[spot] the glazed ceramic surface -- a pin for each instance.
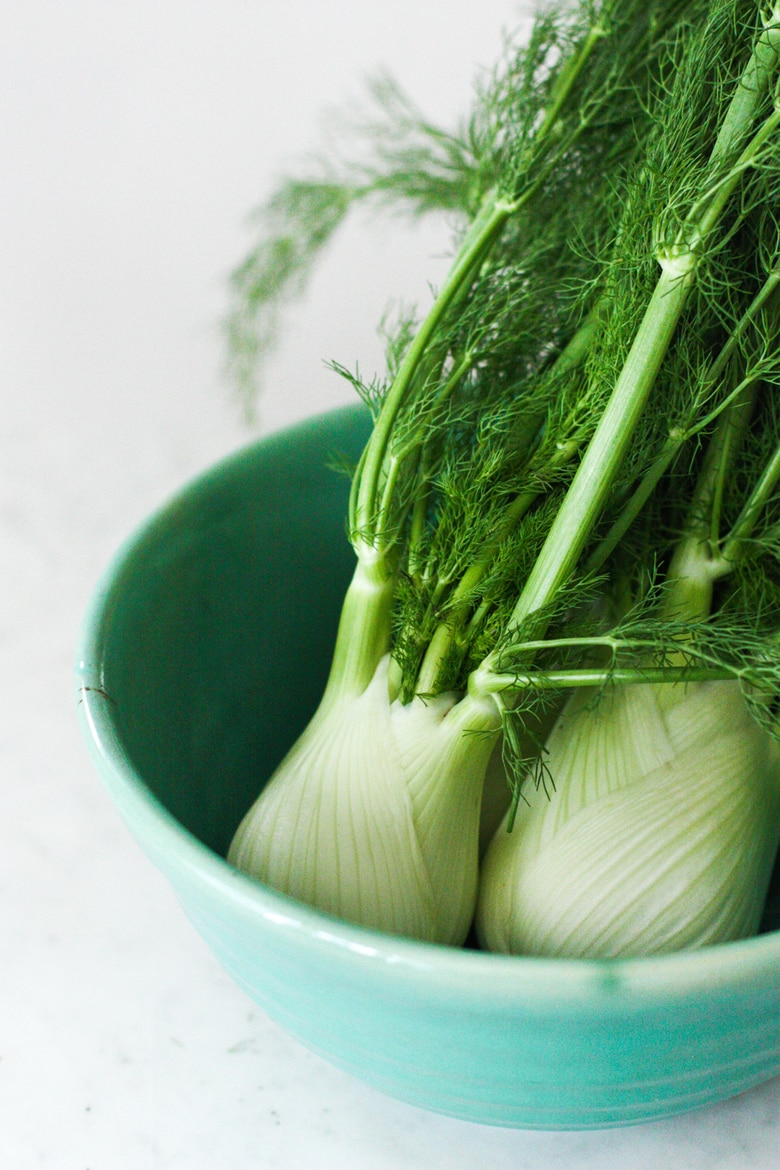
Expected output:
(202, 658)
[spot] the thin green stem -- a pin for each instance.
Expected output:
(748, 383)
(606, 450)
(448, 632)
(725, 188)
(736, 424)
(572, 70)
(479, 240)
(611, 642)
(751, 91)
(683, 433)
(550, 127)
(691, 576)
(453, 378)
(733, 545)
(420, 510)
(745, 106)
(395, 466)
(636, 503)
(553, 680)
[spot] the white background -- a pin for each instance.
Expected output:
(135, 137)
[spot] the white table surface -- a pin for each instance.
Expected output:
(134, 139)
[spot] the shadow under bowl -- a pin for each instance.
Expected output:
(202, 657)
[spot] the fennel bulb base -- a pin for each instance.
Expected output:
(373, 816)
(660, 835)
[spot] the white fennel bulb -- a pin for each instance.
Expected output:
(373, 816)
(660, 833)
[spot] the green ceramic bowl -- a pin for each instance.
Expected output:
(201, 659)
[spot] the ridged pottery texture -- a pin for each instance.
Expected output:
(201, 659)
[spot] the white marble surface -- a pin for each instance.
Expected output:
(134, 137)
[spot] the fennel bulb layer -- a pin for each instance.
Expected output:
(660, 833)
(373, 816)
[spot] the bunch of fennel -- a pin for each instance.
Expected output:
(567, 504)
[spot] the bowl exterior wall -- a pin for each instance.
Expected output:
(610, 1058)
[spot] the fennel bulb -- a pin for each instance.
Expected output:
(374, 814)
(660, 833)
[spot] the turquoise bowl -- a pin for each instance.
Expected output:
(201, 659)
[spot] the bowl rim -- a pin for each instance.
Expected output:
(538, 980)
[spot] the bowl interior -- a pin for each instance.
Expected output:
(215, 651)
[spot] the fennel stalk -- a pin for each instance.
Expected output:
(540, 442)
